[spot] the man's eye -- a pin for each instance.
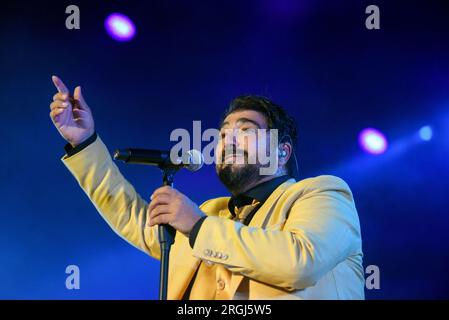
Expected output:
(248, 130)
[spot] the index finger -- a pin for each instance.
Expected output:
(59, 85)
(162, 190)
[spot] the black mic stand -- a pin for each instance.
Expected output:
(166, 237)
(166, 232)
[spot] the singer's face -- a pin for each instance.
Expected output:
(239, 142)
(238, 137)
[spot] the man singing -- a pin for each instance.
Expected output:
(274, 238)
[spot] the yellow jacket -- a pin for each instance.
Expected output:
(303, 243)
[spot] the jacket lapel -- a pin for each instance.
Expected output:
(261, 219)
(264, 215)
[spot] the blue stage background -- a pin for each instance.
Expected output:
(187, 61)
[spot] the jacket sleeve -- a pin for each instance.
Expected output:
(113, 196)
(322, 230)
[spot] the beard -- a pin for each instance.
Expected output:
(236, 177)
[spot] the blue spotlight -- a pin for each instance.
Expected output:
(426, 133)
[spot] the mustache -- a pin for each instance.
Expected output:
(232, 150)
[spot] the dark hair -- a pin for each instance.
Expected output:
(276, 117)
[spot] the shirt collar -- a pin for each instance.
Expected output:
(260, 192)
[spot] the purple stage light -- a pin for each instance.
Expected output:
(373, 141)
(120, 27)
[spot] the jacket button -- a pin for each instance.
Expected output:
(207, 252)
(221, 285)
(224, 256)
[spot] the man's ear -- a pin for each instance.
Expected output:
(285, 152)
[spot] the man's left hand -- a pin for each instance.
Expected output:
(169, 206)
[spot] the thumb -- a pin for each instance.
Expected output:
(78, 95)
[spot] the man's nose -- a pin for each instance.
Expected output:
(230, 137)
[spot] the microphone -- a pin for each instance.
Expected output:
(192, 160)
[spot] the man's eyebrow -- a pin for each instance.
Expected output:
(242, 120)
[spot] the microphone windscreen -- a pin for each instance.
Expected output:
(193, 160)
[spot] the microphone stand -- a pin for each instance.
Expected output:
(166, 233)
(166, 238)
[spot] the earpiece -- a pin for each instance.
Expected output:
(283, 153)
